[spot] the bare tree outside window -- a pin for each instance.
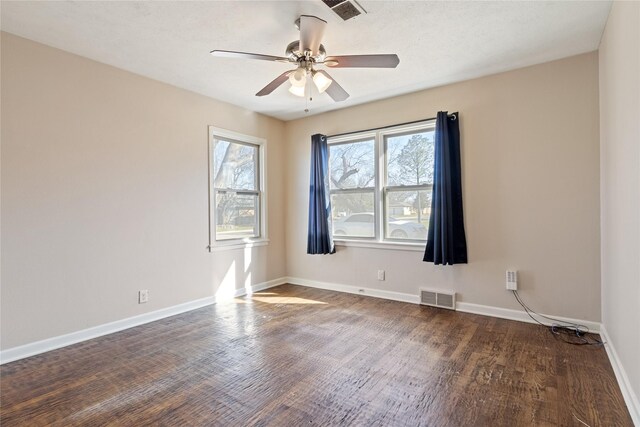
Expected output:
(352, 165)
(410, 163)
(352, 174)
(236, 187)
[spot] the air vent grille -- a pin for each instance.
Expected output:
(429, 298)
(445, 300)
(332, 3)
(442, 299)
(345, 9)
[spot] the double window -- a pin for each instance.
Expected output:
(380, 184)
(237, 202)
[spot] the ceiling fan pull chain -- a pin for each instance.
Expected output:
(306, 99)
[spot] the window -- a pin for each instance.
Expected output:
(380, 184)
(237, 200)
(352, 172)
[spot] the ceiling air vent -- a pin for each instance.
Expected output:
(345, 9)
(435, 298)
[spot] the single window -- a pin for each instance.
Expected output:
(408, 184)
(381, 184)
(352, 172)
(237, 196)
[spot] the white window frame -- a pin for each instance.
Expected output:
(216, 134)
(359, 137)
(380, 154)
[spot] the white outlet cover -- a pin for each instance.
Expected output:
(143, 296)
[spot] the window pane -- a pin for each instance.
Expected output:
(235, 165)
(352, 165)
(353, 214)
(236, 216)
(407, 214)
(410, 158)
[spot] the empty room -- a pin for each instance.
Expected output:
(320, 212)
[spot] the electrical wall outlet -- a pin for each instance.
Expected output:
(143, 296)
(512, 280)
(380, 274)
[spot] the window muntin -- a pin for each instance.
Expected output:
(396, 198)
(237, 213)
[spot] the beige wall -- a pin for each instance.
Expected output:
(104, 192)
(620, 184)
(530, 181)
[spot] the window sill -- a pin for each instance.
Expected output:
(396, 246)
(237, 244)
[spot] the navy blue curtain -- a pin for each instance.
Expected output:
(319, 238)
(446, 241)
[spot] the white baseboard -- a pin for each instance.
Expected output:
(31, 349)
(630, 398)
(465, 307)
(519, 315)
(395, 296)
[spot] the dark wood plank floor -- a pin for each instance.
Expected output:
(293, 356)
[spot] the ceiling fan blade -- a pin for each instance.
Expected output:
(274, 84)
(311, 32)
(335, 91)
(245, 55)
(362, 61)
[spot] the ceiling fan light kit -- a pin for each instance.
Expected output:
(307, 53)
(298, 77)
(297, 90)
(321, 82)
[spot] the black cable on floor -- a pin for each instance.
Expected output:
(571, 333)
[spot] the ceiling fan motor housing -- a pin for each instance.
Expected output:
(293, 52)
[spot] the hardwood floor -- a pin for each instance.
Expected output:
(293, 356)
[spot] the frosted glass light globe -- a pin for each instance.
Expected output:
(297, 90)
(298, 78)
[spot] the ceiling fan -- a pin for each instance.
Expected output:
(307, 53)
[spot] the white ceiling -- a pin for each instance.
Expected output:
(437, 42)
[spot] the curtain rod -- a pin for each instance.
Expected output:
(455, 115)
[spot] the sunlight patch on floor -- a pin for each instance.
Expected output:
(286, 300)
(274, 298)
